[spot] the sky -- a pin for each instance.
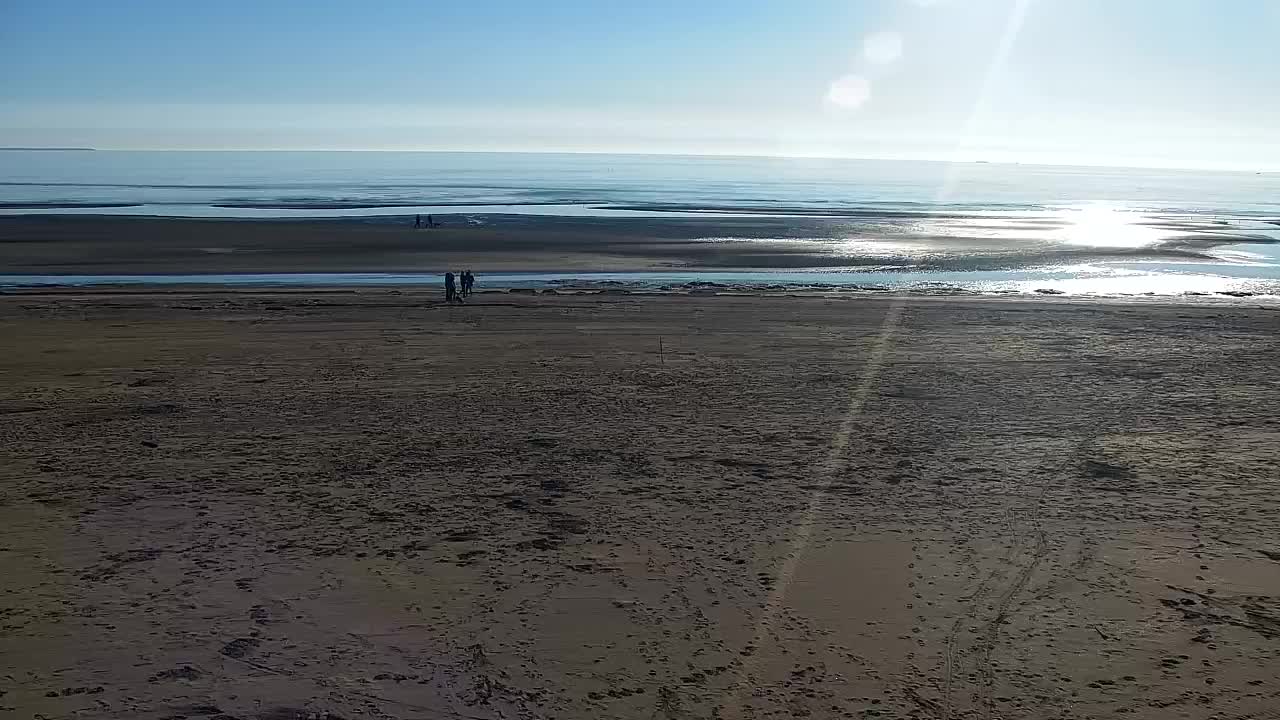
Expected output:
(1161, 83)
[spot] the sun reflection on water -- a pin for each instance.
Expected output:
(1104, 226)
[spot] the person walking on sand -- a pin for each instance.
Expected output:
(466, 283)
(417, 222)
(450, 290)
(471, 281)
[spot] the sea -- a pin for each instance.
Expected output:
(1155, 231)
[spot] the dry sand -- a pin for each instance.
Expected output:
(224, 505)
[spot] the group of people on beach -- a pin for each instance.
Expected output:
(418, 222)
(452, 291)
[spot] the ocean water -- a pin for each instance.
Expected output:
(1172, 230)
(301, 180)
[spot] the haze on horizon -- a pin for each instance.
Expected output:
(1163, 83)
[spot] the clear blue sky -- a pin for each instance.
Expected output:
(1193, 83)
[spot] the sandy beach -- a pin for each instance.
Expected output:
(279, 505)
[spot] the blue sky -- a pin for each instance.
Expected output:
(1189, 83)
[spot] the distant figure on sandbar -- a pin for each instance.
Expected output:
(431, 222)
(417, 222)
(450, 290)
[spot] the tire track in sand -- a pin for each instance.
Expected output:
(949, 660)
(868, 379)
(1009, 525)
(991, 629)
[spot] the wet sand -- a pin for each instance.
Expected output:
(493, 243)
(368, 504)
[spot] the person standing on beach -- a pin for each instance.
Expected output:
(468, 280)
(450, 290)
(417, 222)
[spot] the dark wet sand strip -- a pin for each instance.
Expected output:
(487, 243)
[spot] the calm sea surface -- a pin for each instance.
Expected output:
(287, 179)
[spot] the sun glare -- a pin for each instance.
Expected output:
(1104, 226)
